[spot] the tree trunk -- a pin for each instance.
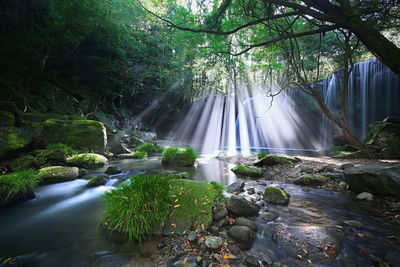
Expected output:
(378, 44)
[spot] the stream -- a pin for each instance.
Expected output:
(60, 227)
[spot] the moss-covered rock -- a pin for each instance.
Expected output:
(276, 195)
(192, 205)
(52, 156)
(81, 134)
(17, 187)
(6, 118)
(134, 155)
(24, 162)
(179, 156)
(29, 120)
(272, 160)
(247, 171)
(98, 180)
(150, 148)
(87, 160)
(57, 174)
(181, 175)
(310, 180)
(13, 139)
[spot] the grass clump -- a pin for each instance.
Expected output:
(138, 207)
(262, 155)
(247, 171)
(67, 149)
(18, 183)
(179, 156)
(139, 154)
(219, 189)
(149, 147)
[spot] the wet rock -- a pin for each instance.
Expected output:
(242, 234)
(246, 170)
(147, 249)
(365, 196)
(106, 259)
(199, 260)
(214, 229)
(242, 207)
(267, 261)
(98, 180)
(334, 175)
(253, 261)
(310, 180)
(354, 223)
(13, 140)
(113, 170)
(57, 174)
(377, 178)
(83, 172)
(307, 169)
(394, 206)
(251, 191)
(21, 260)
(236, 187)
(311, 242)
(161, 245)
(213, 242)
(246, 222)
(192, 237)
(326, 168)
(87, 160)
(222, 222)
(220, 213)
(269, 216)
(343, 185)
(276, 195)
(346, 165)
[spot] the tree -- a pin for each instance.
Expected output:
(362, 18)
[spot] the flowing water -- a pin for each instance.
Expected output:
(60, 227)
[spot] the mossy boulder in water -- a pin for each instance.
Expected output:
(276, 195)
(57, 174)
(179, 156)
(272, 160)
(87, 160)
(98, 180)
(6, 118)
(24, 162)
(385, 135)
(13, 140)
(83, 134)
(247, 171)
(310, 180)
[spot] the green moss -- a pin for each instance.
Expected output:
(15, 185)
(68, 150)
(276, 195)
(273, 160)
(191, 203)
(219, 189)
(149, 147)
(247, 171)
(56, 174)
(7, 118)
(87, 160)
(13, 139)
(179, 156)
(262, 155)
(98, 180)
(24, 162)
(139, 154)
(181, 175)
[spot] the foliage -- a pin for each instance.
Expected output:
(262, 155)
(139, 154)
(247, 170)
(149, 147)
(17, 183)
(180, 156)
(138, 207)
(67, 149)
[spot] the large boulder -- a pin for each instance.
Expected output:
(57, 174)
(241, 234)
(247, 171)
(87, 160)
(242, 207)
(272, 160)
(84, 134)
(385, 135)
(377, 179)
(24, 162)
(310, 180)
(276, 195)
(13, 139)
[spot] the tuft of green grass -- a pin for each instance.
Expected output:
(247, 170)
(262, 155)
(139, 154)
(179, 156)
(149, 147)
(67, 149)
(219, 189)
(17, 183)
(138, 207)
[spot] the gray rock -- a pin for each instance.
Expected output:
(307, 169)
(365, 196)
(267, 261)
(219, 214)
(377, 178)
(310, 180)
(199, 260)
(57, 174)
(276, 195)
(242, 207)
(161, 245)
(113, 170)
(269, 216)
(253, 261)
(343, 185)
(246, 222)
(242, 234)
(354, 223)
(222, 222)
(326, 168)
(334, 175)
(213, 242)
(192, 237)
(346, 165)
(236, 187)
(251, 191)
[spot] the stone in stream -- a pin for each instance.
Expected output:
(98, 180)
(307, 169)
(253, 261)
(192, 237)
(246, 222)
(269, 216)
(276, 195)
(354, 223)
(242, 207)
(377, 178)
(213, 242)
(241, 234)
(251, 191)
(236, 187)
(220, 213)
(310, 180)
(346, 165)
(113, 170)
(365, 196)
(57, 174)
(343, 185)
(87, 160)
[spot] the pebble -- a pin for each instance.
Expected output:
(253, 261)
(365, 196)
(213, 242)
(192, 237)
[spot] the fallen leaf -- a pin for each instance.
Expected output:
(173, 196)
(173, 225)
(361, 235)
(305, 251)
(202, 227)
(176, 206)
(184, 261)
(299, 256)
(309, 261)
(195, 201)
